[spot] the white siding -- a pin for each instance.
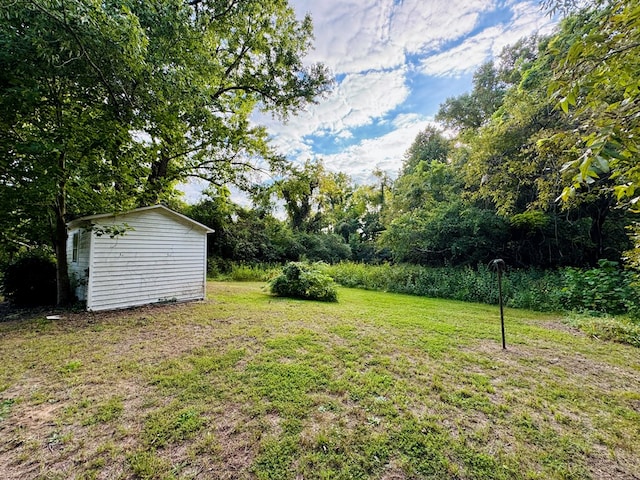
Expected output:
(79, 269)
(160, 260)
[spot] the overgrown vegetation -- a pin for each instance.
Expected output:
(379, 386)
(306, 281)
(219, 269)
(606, 289)
(30, 279)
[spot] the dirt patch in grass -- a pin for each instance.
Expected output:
(236, 445)
(574, 367)
(393, 471)
(567, 395)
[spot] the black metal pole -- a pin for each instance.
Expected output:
(504, 343)
(499, 265)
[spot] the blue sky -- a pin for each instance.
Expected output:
(395, 62)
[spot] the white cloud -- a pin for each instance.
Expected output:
(357, 101)
(527, 18)
(360, 35)
(385, 152)
(463, 59)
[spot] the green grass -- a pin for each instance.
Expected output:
(378, 385)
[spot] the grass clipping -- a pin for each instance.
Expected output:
(305, 281)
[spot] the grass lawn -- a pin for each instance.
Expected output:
(379, 385)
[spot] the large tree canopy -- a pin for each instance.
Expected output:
(105, 104)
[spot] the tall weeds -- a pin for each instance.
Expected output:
(548, 290)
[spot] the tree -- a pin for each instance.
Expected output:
(105, 105)
(62, 112)
(450, 233)
(426, 176)
(429, 145)
(472, 110)
(299, 188)
(597, 82)
(511, 163)
(596, 79)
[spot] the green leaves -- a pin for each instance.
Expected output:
(306, 281)
(598, 84)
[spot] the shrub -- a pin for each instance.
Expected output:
(606, 289)
(30, 280)
(303, 280)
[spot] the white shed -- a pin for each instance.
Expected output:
(156, 255)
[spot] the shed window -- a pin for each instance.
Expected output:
(74, 247)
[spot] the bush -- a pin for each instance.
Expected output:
(30, 280)
(306, 281)
(606, 289)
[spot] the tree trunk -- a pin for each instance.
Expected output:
(598, 212)
(62, 272)
(156, 181)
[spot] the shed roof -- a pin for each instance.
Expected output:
(160, 208)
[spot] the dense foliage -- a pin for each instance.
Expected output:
(306, 281)
(30, 280)
(603, 290)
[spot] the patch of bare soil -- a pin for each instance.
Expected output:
(43, 438)
(578, 368)
(393, 472)
(10, 313)
(563, 327)
(237, 447)
(72, 318)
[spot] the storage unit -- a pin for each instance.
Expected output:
(147, 255)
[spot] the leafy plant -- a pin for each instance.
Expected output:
(30, 280)
(606, 289)
(303, 280)
(5, 408)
